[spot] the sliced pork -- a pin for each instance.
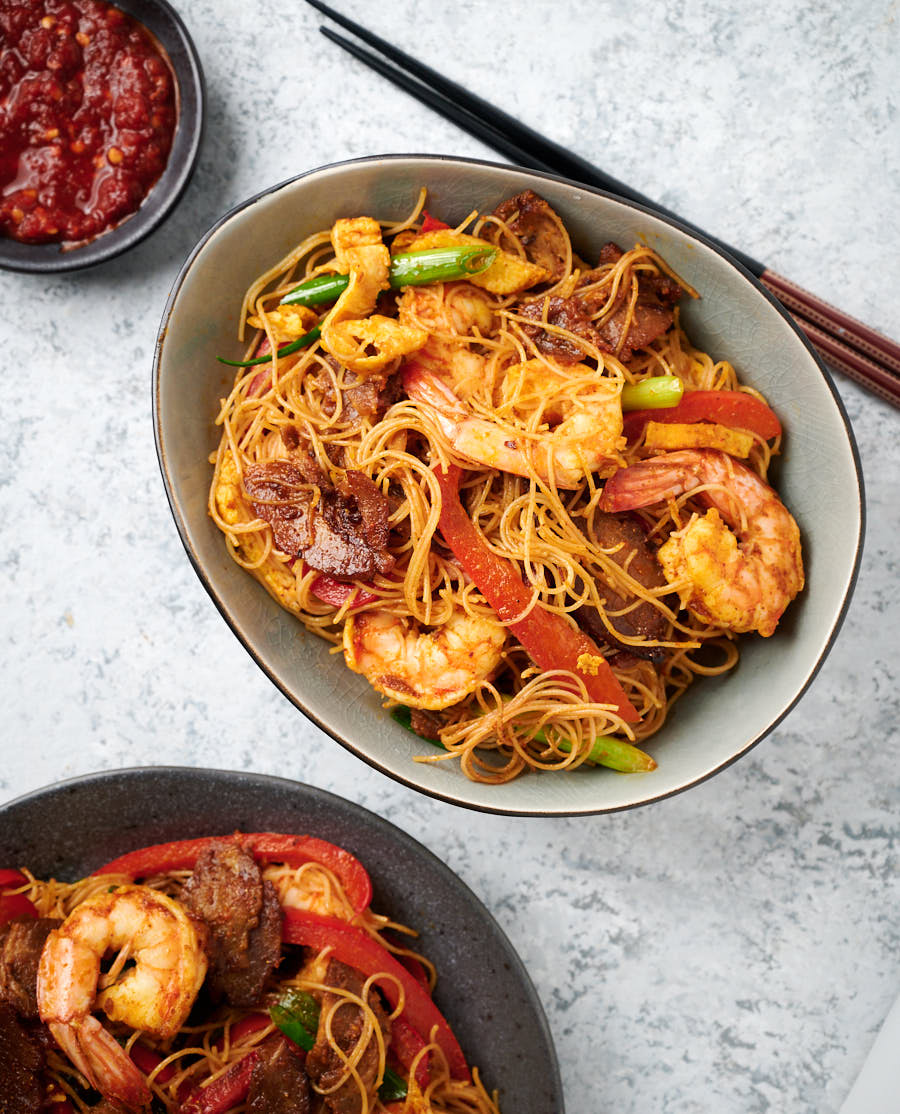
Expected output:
(539, 230)
(323, 1065)
(563, 313)
(653, 311)
(21, 1061)
(644, 621)
(227, 892)
(278, 1085)
(340, 532)
(21, 944)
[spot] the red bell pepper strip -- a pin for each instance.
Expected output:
(734, 409)
(267, 847)
(415, 968)
(417, 971)
(226, 1092)
(430, 223)
(336, 592)
(14, 905)
(147, 1060)
(260, 382)
(252, 1023)
(406, 1044)
(11, 880)
(551, 641)
(357, 949)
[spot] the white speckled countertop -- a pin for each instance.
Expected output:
(732, 949)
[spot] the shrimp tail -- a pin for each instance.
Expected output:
(647, 482)
(425, 387)
(103, 1062)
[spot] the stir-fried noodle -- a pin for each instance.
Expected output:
(536, 436)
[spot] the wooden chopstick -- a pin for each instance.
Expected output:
(848, 345)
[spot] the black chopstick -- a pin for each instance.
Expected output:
(493, 126)
(863, 354)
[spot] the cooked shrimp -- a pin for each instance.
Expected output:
(741, 580)
(423, 669)
(583, 408)
(448, 313)
(154, 995)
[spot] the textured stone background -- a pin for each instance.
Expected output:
(732, 949)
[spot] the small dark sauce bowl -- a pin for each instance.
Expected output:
(164, 23)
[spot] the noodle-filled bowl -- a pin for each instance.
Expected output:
(533, 487)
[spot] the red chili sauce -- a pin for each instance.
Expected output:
(87, 115)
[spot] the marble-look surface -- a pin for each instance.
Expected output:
(732, 949)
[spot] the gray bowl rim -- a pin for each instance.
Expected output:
(168, 189)
(222, 606)
(430, 862)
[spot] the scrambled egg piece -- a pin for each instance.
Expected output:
(698, 435)
(274, 575)
(365, 344)
(286, 322)
(508, 274)
(359, 253)
(368, 344)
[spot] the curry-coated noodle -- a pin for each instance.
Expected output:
(246, 972)
(502, 482)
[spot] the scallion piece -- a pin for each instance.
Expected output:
(393, 1087)
(607, 750)
(616, 754)
(403, 715)
(414, 268)
(296, 1014)
(658, 393)
(301, 342)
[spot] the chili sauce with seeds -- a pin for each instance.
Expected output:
(88, 110)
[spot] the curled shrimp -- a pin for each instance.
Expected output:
(448, 312)
(423, 669)
(740, 578)
(577, 414)
(154, 995)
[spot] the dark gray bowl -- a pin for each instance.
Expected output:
(484, 990)
(736, 319)
(164, 22)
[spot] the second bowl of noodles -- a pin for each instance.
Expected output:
(437, 477)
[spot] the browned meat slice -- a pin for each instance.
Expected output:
(21, 1061)
(279, 1084)
(538, 227)
(564, 313)
(323, 1065)
(227, 892)
(653, 312)
(427, 725)
(370, 398)
(21, 944)
(644, 621)
(343, 533)
(303, 460)
(648, 322)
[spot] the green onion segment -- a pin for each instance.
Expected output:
(414, 268)
(658, 393)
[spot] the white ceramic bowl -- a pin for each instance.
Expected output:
(817, 475)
